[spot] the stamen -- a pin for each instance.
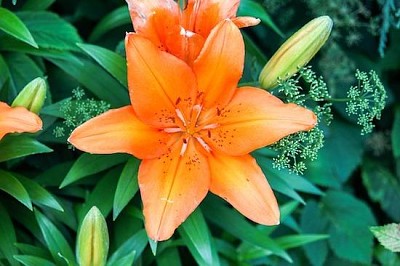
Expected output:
(173, 129)
(197, 108)
(211, 126)
(180, 116)
(184, 147)
(203, 144)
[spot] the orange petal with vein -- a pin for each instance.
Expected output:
(17, 120)
(157, 82)
(254, 119)
(120, 131)
(240, 181)
(171, 187)
(220, 64)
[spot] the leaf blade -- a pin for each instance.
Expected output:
(13, 26)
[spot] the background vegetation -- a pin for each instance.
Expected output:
(327, 203)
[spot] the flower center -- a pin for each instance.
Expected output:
(190, 128)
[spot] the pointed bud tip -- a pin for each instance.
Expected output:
(32, 96)
(296, 52)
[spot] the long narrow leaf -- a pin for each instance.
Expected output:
(235, 224)
(11, 185)
(109, 60)
(88, 164)
(12, 147)
(137, 243)
(12, 25)
(29, 260)
(8, 237)
(127, 186)
(197, 237)
(39, 195)
(115, 18)
(55, 240)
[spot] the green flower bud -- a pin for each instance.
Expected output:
(296, 52)
(93, 241)
(32, 96)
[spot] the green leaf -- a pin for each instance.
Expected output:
(125, 260)
(89, 164)
(37, 5)
(386, 257)
(153, 246)
(254, 9)
(137, 243)
(22, 70)
(4, 72)
(254, 62)
(54, 239)
(38, 194)
(388, 235)
(8, 237)
(396, 134)
(127, 186)
(382, 186)
(11, 185)
(94, 78)
(109, 60)
(102, 195)
(275, 179)
(50, 31)
(234, 223)
(312, 222)
(12, 147)
(28, 249)
(250, 252)
(115, 18)
(197, 237)
(350, 218)
(169, 256)
(340, 156)
(293, 241)
(29, 260)
(12, 25)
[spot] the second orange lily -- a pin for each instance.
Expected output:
(17, 120)
(194, 130)
(183, 32)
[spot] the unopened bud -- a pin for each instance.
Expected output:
(296, 52)
(32, 96)
(93, 241)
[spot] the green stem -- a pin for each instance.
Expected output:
(337, 99)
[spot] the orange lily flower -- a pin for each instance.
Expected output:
(194, 129)
(183, 33)
(17, 120)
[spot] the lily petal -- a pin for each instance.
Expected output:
(244, 186)
(142, 10)
(242, 22)
(171, 187)
(17, 120)
(254, 119)
(220, 64)
(157, 81)
(119, 130)
(202, 16)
